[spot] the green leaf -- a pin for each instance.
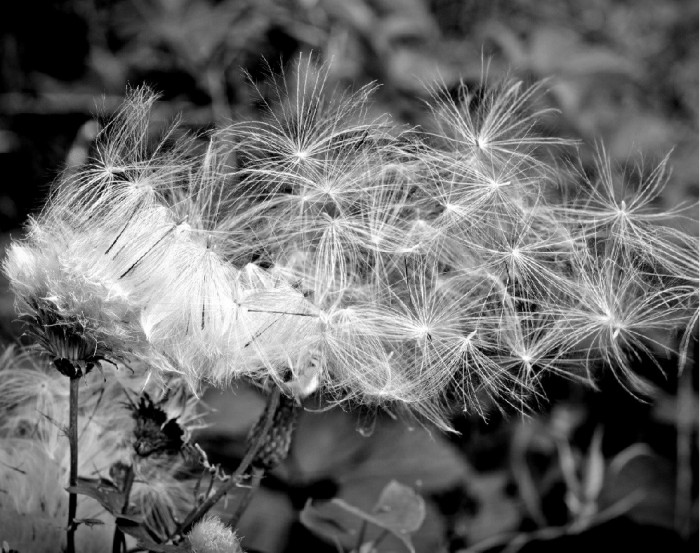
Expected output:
(323, 523)
(400, 510)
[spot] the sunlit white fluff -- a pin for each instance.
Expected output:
(498, 130)
(349, 354)
(616, 315)
(210, 535)
(305, 124)
(372, 263)
(51, 289)
(126, 172)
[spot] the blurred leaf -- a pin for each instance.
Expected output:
(401, 26)
(627, 455)
(594, 468)
(134, 528)
(399, 509)
(90, 522)
(638, 133)
(498, 512)
(108, 495)
(668, 409)
(267, 521)
(355, 13)
(321, 521)
(183, 547)
(412, 69)
(650, 480)
(555, 50)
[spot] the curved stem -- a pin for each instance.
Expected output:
(255, 445)
(257, 476)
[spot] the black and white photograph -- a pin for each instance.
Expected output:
(349, 276)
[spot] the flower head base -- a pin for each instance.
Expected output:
(75, 351)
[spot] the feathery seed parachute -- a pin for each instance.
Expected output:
(329, 251)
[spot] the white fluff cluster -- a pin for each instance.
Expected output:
(348, 254)
(210, 535)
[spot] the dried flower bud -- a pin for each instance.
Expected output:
(210, 535)
(154, 432)
(275, 448)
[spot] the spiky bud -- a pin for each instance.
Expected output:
(210, 535)
(278, 440)
(155, 433)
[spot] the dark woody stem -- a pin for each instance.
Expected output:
(118, 541)
(256, 477)
(267, 417)
(73, 476)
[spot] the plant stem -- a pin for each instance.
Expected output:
(199, 512)
(685, 418)
(73, 476)
(256, 477)
(360, 536)
(118, 542)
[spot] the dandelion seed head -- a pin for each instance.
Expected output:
(496, 183)
(301, 155)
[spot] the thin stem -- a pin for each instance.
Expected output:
(217, 92)
(73, 476)
(380, 538)
(256, 477)
(118, 541)
(360, 536)
(684, 436)
(255, 445)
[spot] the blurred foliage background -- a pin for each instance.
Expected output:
(594, 468)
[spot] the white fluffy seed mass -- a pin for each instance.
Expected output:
(323, 250)
(210, 535)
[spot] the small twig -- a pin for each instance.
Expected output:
(118, 541)
(255, 479)
(212, 480)
(198, 485)
(73, 476)
(360, 536)
(199, 512)
(380, 538)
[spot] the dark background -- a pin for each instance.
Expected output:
(624, 72)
